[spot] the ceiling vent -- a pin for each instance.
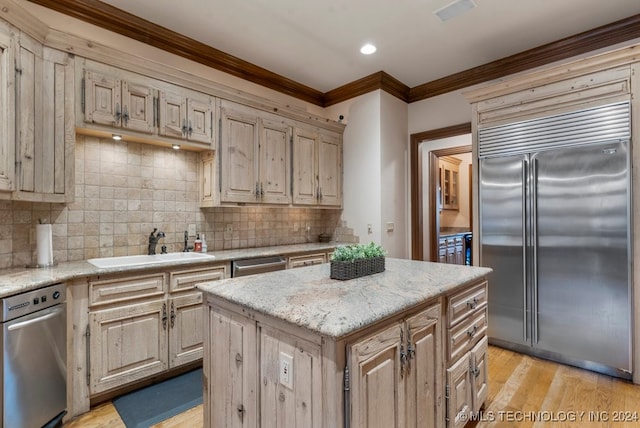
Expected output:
(454, 9)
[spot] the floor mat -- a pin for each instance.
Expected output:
(155, 403)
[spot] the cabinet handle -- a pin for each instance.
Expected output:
(471, 304)
(118, 114)
(173, 315)
(184, 126)
(190, 130)
(472, 331)
(411, 352)
(403, 354)
(241, 411)
(257, 190)
(261, 191)
(125, 116)
(164, 316)
(474, 371)
(320, 192)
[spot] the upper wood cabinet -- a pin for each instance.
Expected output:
(186, 116)
(449, 182)
(119, 103)
(7, 111)
(317, 167)
(254, 155)
(144, 108)
(45, 123)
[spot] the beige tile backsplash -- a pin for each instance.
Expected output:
(124, 190)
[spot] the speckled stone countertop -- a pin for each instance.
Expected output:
(307, 297)
(18, 280)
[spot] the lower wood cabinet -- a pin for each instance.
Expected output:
(466, 378)
(396, 374)
(306, 260)
(144, 325)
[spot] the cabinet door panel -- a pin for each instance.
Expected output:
(29, 115)
(480, 373)
(173, 115)
(239, 144)
(274, 162)
(233, 365)
(330, 170)
(199, 121)
(460, 393)
(304, 167)
(185, 333)
(424, 372)
(376, 388)
(137, 110)
(102, 99)
(127, 344)
(7, 115)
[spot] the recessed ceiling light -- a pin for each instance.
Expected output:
(368, 49)
(116, 137)
(456, 8)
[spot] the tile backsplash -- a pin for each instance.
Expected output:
(124, 190)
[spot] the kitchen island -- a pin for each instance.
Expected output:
(296, 348)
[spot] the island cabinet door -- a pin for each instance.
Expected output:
(459, 393)
(424, 369)
(127, 344)
(290, 381)
(377, 383)
(230, 369)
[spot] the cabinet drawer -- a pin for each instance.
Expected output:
(307, 260)
(465, 302)
(187, 279)
(467, 333)
(104, 291)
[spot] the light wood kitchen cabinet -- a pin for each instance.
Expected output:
(255, 156)
(186, 115)
(398, 370)
(317, 168)
(207, 191)
(143, 325)
(451, 250)
(449, 182)
(306, 260)
(45, 124)
(467, 344)
(7, 110)
(119, 102)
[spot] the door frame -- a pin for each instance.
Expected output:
(415, 173)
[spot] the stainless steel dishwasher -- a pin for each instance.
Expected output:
(257, 265)
(34, 363)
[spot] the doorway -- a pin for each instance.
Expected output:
(417, 189)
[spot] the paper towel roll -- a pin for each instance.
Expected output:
(44, 243)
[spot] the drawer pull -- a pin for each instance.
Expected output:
(472, 331)
(471, 304)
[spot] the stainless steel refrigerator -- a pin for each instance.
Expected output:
(554, 215)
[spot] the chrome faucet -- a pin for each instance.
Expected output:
(153, 241)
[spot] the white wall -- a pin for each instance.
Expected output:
(394, 167)
(362, 175)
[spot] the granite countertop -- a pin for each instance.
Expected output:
(18, 280)
(307, 297)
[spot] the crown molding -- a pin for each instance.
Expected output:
(113, 19)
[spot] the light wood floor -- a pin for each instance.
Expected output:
(523, 392)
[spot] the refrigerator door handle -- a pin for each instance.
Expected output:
(534, 226)
(525, 173)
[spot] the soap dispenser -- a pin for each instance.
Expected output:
(197, 244)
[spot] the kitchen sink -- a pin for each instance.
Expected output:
(125, 261)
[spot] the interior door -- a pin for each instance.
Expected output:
(583, 292)
(502, 245)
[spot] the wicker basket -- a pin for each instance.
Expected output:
(356, 268)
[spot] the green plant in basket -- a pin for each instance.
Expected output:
(349, 253)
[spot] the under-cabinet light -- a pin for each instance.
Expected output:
(116, 137)
(176, 147)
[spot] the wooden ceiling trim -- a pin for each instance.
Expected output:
(601, 37)
(375, 81)
(113, 19)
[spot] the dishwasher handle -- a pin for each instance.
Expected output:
(50, 314)
(249, 267)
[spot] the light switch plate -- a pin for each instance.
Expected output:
(192, 230)
(390, 226)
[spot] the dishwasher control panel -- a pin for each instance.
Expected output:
(32, 301)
